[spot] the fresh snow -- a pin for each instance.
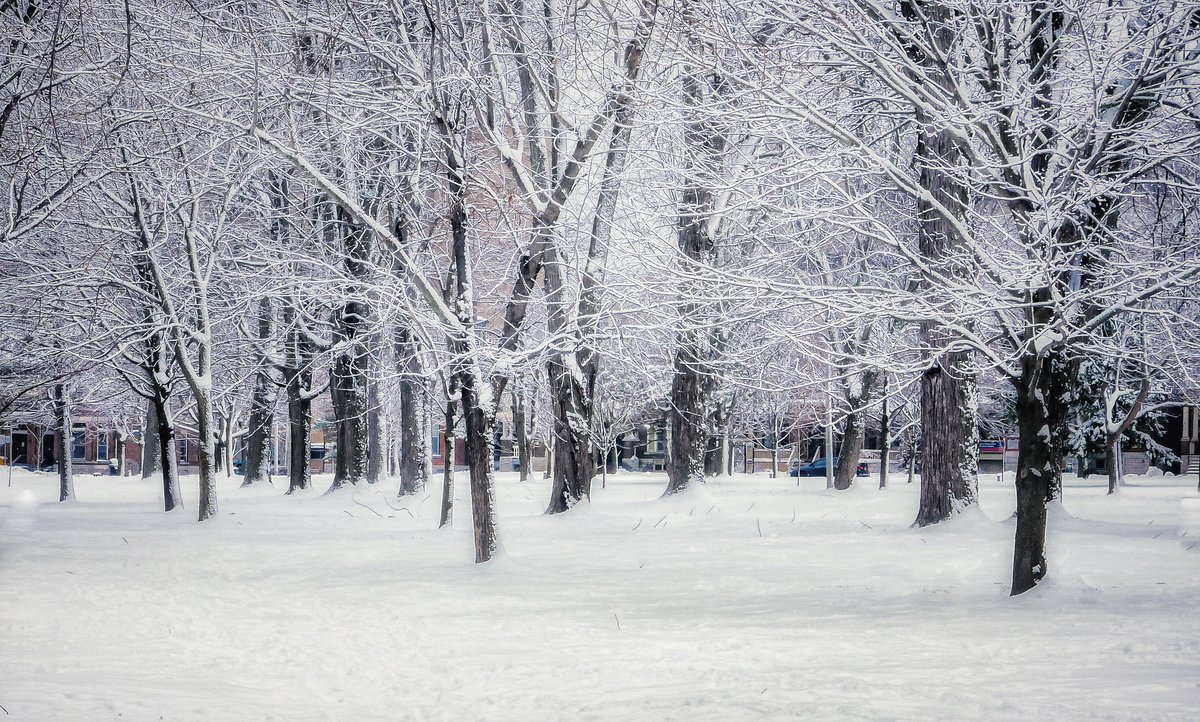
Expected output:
(748, 599)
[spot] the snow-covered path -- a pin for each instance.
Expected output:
(751, 599)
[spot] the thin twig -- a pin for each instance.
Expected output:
(356, 501)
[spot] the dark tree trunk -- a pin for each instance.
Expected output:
(448, 467)
(479, 428)
(949, 439)
(1041, 422)
(64, 442)
(256, 456)
(688, 415)
(694, 378)
(414, 423)
(167, 453)
(714, 458)
(478, 418)
(347, 389)
(299, 432)
(571, 393)
(297, 372)
(521, 433)
(949, 435)
(847, 458)
(151, 450)
(348, 383)
(885, 441)
(376, 449)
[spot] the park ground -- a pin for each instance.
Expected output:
(753, 598)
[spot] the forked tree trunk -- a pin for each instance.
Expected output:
(572, 381)
(64, 442)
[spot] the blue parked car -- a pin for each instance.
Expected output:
(817, 468)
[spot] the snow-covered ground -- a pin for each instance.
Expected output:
(751, 599)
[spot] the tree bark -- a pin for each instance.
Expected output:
(847, 459)
(1112, 452)
(376, 449)
(1041, 423)
(151, 450)
(949, 433)
(885, 440)
(122, 448)
(448, 467)
(414, 417)
(64, 442)
(349, 380)
(572, 384)
(256, 457)
(521, 433)
(949, 439)
(167, 452)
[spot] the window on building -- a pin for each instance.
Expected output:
(78, 444)
(437, 444)
(102, 446)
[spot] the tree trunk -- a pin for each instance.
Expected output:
(256, 466)
(1112, 453)
(167, 454)
(64, 439)
(949, 439)
(694, 379)
(479, 416)
(448, 467)
(572, 380)
(122, 448)
(225, 461)
(949, 434)
(347, 388)
(414, 419)
(885, 441)
(847, 459)
(207, 454)
(479, 429)
(349, 381)
(151, 449)
(1041, 423)
(376, 451)
(299, 435)
(521, 433)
